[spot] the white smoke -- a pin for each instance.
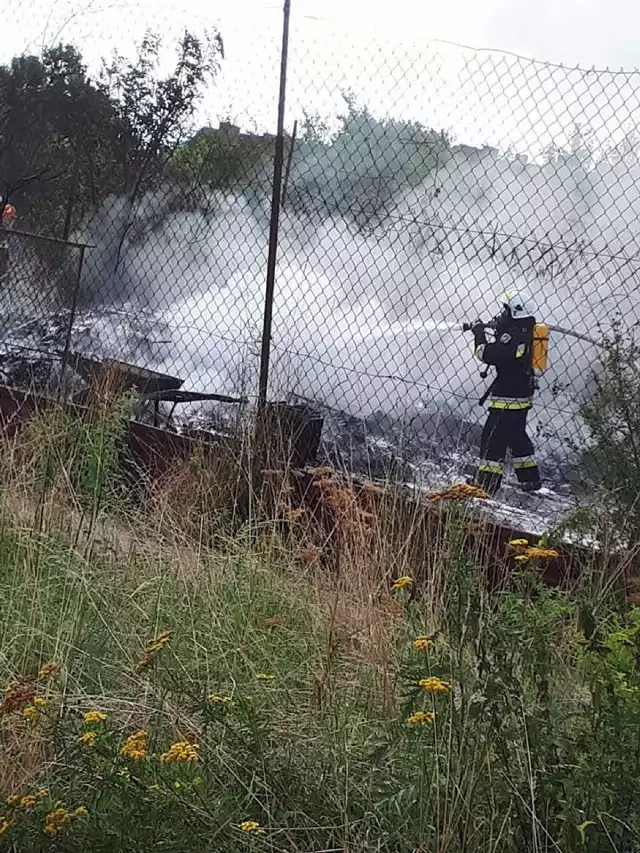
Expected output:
(371, 322)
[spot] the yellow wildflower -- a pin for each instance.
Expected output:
(93, 717)
(542, 553)
(30, 712)
(219, 700)
(457, 492)
(81, 811)
(49, 669)
(521, 558)
(152, 649)
(435, 685)
(252, 827)
(56, 820)
(88, 738)
(421, 717)
(182, 752)
(402, 582)
(518, 543)
(40, 702)
(28, 802)
(13, 801)
(421, 644)
(5, 825)
(42, 793)
(136, 746)
(265, 676)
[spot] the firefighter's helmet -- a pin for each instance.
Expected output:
(519, 304)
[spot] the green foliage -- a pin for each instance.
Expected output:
(221, 160)
(67, 142)
(88, 453)
(483, 721)
(384, 155)
(612, 416)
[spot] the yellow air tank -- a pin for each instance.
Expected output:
(540, 351)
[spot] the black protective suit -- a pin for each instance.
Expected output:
(510, 400)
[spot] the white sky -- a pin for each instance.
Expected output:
(385, 51)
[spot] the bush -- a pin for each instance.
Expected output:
(611, 457)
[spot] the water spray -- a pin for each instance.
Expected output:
(466, 327)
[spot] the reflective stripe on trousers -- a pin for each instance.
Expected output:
(510, 404)
(520, 462)
(490, 466)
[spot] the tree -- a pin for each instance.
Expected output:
(155, 113)
(222, 159)
(67, 142)
(358, 172)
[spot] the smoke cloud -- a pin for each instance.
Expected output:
(367, 319)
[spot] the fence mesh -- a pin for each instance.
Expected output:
(421, 181)
(39, 280)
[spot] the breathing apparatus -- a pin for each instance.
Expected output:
(516, 306)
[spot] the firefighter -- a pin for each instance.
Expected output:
(7, 214)
(510, 395)
(7, 218)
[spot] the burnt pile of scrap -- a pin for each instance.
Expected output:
(30, 353)
(159, 435)
(157, 395)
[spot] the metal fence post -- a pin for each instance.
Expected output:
(276, 197)
(72, 318)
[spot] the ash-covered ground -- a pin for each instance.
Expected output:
(424, 450)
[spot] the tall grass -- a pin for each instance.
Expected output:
(311, 706)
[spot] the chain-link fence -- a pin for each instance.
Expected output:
(39, 292)
(419, 182)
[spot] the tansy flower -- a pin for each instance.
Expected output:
(434, 685)
(30, 712)
(81, 811)
(28, 802)
(88, 738)
(49, 669)
(421, 644)
(219, 700)
(265, 676)
(40, 702)
(518, 543)
(13, 801)
(136, 746)
(421, 717)
(182, 752)
(460, 490)
(542, 553)
(42, 793)
(5, 825)
(521, 558)
(402, 582)
(152, 649)
(17, 694)
(56, 820)
(252, 827)
(94, 717)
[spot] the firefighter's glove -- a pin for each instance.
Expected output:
(479, 334)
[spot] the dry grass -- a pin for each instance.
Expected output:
(294, 581)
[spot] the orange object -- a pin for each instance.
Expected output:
(540, 351)
(8, 215)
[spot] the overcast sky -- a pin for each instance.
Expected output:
(587, 32)
(386, 51)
